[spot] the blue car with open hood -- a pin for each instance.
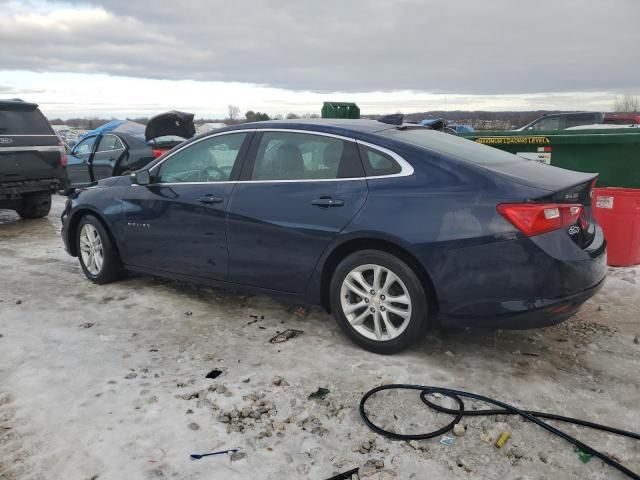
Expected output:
(391, 227)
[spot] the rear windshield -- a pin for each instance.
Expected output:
(24, 122)
(453, 146)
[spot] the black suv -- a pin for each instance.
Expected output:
(32, 159)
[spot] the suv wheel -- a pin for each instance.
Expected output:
(98, 256)
(378, 301)
(35, 205)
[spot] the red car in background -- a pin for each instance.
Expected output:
(621, 119)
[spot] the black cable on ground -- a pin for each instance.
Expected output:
(505, 409)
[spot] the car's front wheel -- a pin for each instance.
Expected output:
(98, 256)
(379, 301)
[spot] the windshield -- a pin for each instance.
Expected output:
(453, 146)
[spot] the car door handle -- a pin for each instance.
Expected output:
(327, 202)
(210, 200)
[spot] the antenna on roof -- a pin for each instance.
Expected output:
(393, 119)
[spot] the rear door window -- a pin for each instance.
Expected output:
(109, 143)
(302, 156)
(577, 120)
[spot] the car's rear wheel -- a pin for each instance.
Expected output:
(35, 205)
(97, 254)
(379, 301)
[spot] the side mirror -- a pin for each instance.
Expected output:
(142, 177)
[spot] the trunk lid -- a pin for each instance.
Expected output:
(538, 175)
(558, 186)
(171, 124)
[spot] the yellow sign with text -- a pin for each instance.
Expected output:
(536, 140)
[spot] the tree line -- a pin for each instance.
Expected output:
(233, 117)
(504, 119)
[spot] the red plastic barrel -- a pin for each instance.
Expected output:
(617, 210)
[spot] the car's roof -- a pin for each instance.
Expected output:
(118, 127)
(17, 104)
(330, 125)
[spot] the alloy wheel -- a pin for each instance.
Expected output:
(375, 302)
(91, 249)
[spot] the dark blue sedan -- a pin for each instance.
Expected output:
(390, 227)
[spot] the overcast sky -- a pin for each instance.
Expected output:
(125, 57)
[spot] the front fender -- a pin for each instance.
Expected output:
(96, 201)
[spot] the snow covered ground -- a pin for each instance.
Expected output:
(108, 382)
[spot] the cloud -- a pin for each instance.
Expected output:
(13, 90)
(462, 47)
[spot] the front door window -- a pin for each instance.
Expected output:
(210, 160)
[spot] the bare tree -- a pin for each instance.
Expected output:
(234, 113)
(292, 116)
(628, 103)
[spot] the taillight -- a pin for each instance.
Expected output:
(63, 154)
(537, 218)
(156, 152)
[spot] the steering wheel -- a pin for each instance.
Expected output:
(207, 174)
(214, 174)
(187, 176)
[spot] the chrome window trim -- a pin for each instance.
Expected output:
(406, 169)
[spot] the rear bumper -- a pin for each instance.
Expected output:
(517, 284)
(546, 313)
(14, 189)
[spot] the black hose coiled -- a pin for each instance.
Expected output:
(505, 409)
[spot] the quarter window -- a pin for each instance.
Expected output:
(377, 163)
(210, 160)
(302, 156)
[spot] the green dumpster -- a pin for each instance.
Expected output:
(340, 110)
(613, 153)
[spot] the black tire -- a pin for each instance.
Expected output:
(35, 205)
(112, 265)
(418, 319)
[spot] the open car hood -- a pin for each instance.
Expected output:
(171, 123)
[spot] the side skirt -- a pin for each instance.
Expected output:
(299, 298)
